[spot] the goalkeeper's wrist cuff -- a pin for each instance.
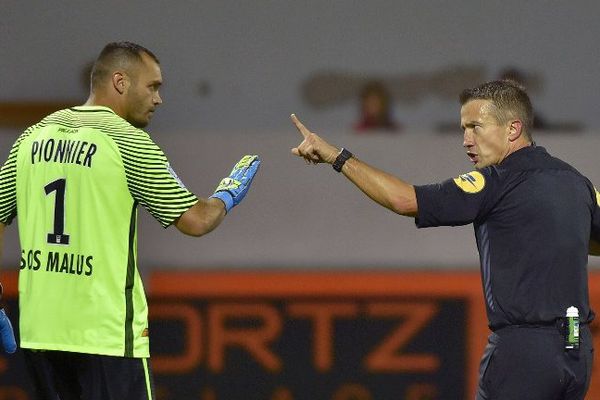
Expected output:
(226, 198)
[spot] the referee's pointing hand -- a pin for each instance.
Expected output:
(313, 148)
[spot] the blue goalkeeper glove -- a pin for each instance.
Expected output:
(7, 335)
(231, 190)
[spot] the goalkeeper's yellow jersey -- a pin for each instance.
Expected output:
(74, 181)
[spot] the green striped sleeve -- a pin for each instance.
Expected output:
(8, 183)
(150, 179)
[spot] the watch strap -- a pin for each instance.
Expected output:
(341, 159)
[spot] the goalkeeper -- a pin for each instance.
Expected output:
(76, 179)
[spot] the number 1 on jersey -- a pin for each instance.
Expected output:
(58, 236)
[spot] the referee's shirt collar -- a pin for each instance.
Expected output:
(522, 154)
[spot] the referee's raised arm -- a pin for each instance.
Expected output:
(382, 187)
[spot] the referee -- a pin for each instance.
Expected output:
(76, 179)
(534, 217)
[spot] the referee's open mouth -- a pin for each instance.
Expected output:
(473, 157)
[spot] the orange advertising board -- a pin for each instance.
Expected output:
(350, 334)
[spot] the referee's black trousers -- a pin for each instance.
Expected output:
(526, 362)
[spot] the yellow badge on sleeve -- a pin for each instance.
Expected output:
(597, 196)
(472, 182)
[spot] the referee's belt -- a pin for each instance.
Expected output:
(559, 323)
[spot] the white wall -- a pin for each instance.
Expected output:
(255, 55)
(305, 216)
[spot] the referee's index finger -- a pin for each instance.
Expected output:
(305, 132)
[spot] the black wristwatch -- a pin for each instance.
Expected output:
(341, 159)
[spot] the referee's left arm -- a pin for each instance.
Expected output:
(386, 189)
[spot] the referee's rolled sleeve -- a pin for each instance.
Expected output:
(446, 204)
(428, 199)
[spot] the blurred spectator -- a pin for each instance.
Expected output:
(375, 109)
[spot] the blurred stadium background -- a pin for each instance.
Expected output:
(308, 290)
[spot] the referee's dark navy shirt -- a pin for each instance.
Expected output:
(533, 217)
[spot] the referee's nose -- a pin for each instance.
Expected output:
(467, 138)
